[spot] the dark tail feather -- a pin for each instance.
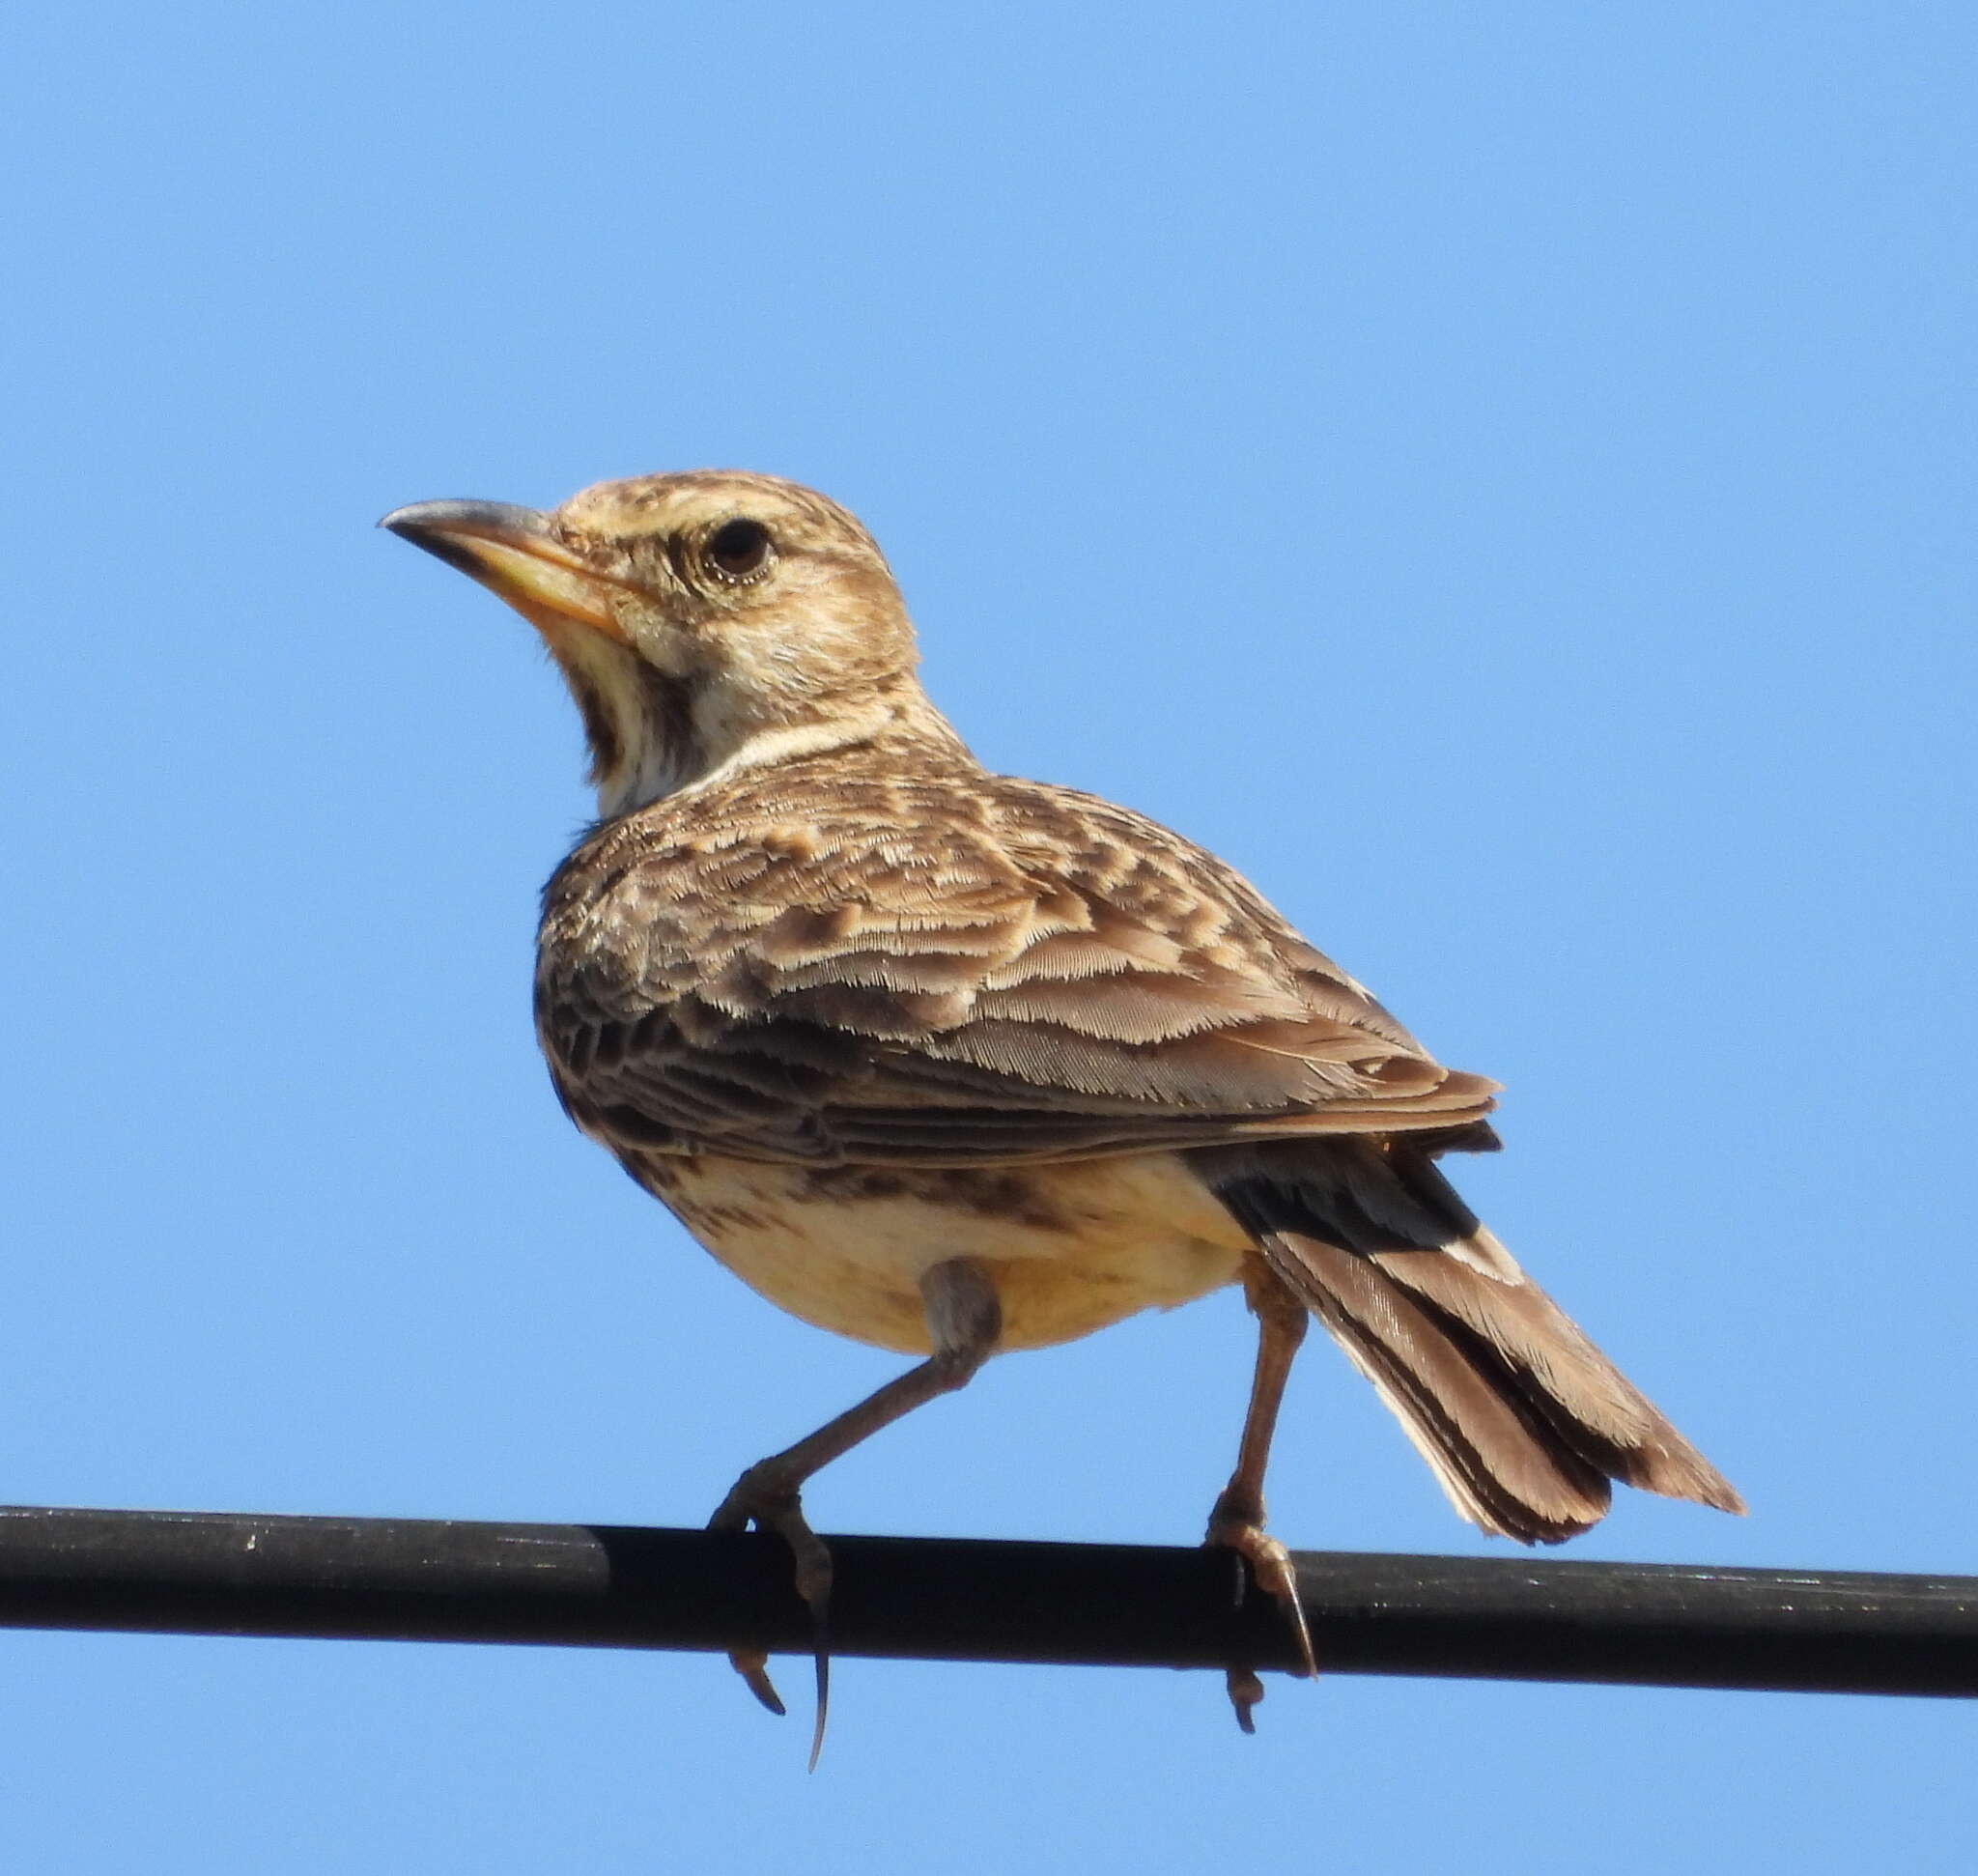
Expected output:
(1521, 1419)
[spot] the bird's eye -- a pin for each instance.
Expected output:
(740, 548)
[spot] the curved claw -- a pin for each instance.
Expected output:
(813, 1572)
(823, 1694)
(1245, 1692)
(752, 1665)
(1271, 1563)
(778, 1509)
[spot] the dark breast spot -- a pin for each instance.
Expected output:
(1011, 1196)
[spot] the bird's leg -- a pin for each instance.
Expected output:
(964, 1320)
(1237, 1521)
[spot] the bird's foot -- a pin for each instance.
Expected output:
(1245, 1690)
(1271, 1565)
(759, 1497)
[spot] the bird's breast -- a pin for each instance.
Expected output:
(1070, 1247)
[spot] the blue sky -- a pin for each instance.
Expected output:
(1503, 477)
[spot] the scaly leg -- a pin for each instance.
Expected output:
(964, 1319)
(1237, 1520)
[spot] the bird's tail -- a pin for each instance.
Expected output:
(1523, 1421)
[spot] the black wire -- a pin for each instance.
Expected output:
(419, 1580)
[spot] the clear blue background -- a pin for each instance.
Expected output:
(1504, 477)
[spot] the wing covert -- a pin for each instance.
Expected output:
(984, 970)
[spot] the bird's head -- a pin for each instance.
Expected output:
(705, 622)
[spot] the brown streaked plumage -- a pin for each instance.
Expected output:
(951, 1062)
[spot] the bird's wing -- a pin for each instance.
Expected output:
(975, 970)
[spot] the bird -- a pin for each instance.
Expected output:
(956, 1063)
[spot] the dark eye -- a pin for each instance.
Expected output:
(738, 549)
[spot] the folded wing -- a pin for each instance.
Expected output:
(1011, 974)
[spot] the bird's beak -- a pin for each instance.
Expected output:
(516, 554)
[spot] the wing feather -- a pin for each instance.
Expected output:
(954, 969)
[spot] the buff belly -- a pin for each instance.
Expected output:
(1071, 1248)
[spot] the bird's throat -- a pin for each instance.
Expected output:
(638, 722)
(653, 733)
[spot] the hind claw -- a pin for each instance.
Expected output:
(770, 1507)
(1271, 1565)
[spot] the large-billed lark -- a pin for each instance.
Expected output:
(953, 1063)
